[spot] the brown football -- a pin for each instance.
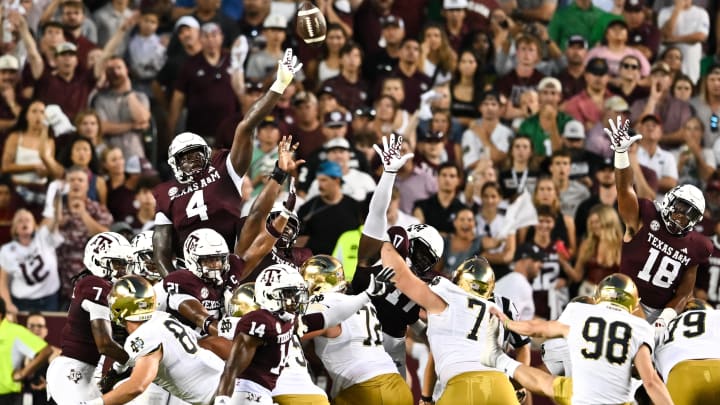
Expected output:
(311, 25)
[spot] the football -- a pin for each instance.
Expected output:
(311, 25)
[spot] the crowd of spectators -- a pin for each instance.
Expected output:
(501, 101)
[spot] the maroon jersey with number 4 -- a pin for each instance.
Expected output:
(708, 276)
(656, 259)
(211, 202)
(187, 283)
(77, 338)
(271, 356)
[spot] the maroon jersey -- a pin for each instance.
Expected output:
(186, 283)
(271, 356)
(77, 338)
(657, 259)
(211, 202)
(708, 275)
(294, 257)
(546, 280)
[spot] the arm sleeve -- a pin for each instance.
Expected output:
(337, 311)
(96, 311)
(376, 222)
(174, 300)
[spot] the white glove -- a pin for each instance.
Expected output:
(221, 400)
(57, 119)
(619, 134)
(390, 153)
(239, 53)
(667, 315)
(378, 284)
(120, 368)
(426, 99)
(287, 67)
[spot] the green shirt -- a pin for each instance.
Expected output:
(532, 129)
(346, 251)
(572, 20)
(16, 344)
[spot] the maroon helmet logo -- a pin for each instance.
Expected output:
(269, 276)
(101, 244)
(191, 242)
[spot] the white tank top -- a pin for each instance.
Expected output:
(325, 72)
(27, 156)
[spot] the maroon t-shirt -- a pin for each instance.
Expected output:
(185, 282)
(310, 141)
(414, 87)
(656, 260)
(513, 86)
(121, 204)
(77, 338)
(271, 356)
(71, 96)
(213, 201)
(209, 96)
(708, 275)
(349, 95)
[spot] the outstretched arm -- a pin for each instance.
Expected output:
(621, 138)
(407, 282)
(241, 149)
(374, 231)
(534, 327)
(143, 374)
(163, 250)
(654, 386)
(102, 335)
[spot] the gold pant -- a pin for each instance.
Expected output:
(301, 400)
(695, 382)
(385, 389)
(479, 387)
(562, 390)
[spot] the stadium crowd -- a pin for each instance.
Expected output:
(470, 134)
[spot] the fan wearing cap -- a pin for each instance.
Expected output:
(391, 39)
(652, 155)
(10, 105)
(516, 285)
(545, 127)
(583, 106)
(643, 35)
(430, 149)
(69, 85)
(582, 161)
(187, 34)
(456, 25)
(615, 48)
(606, 194)
(356, 184)
(486, 137)
(326, 216)
(660, 102)
(351, 90)
(305, 123)
(686, 26)
(571, 76)
(262, 63)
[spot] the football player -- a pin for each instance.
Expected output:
(555, 354)
(457, 325)
(142, 263)
(87, 333)
(688, 355)
(206, 190)
(262, 338)
(708, 277)
(660, 252)
(162, 350)
(194, 295)
(352, 353)
(604, 340)
(421, 242)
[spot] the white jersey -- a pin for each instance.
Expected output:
(294, 379)
(182, 359)
(555, 352)
(32, 269)
(357, 354)
(693, 335)
(603, 341)
(457, 335)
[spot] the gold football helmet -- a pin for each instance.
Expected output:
(323, 273)
(697, 304)
(584, 299)
(476, 276)
(242, 300)
(618, 289)
(132, 298)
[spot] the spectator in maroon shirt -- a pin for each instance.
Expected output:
(368, 17)
(415, 82)
(572, 78)
(205, 87)
(456, 25)
(306, 127)
(72, 16)
(392, 35)
(523, 77)
(643, 35)
(351, 90)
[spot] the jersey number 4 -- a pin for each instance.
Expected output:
(665, 272)
(197, 206)
(612, 340)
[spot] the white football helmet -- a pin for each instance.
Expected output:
(426, 247)
(686, 200)
(107, 255)
(183, 143)
(142, 257)
(292, 228)
(280, 287)
(202, 245)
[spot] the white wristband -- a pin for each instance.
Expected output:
(285, 213)
(278, 87)
(668, 314)
(622, 160)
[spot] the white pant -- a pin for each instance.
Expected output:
(153, 395)
(70, 381)
(250, 393)
(395, 347)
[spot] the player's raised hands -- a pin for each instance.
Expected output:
(390, 153)
(620, 134)
(286, 155)
(287, 67)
